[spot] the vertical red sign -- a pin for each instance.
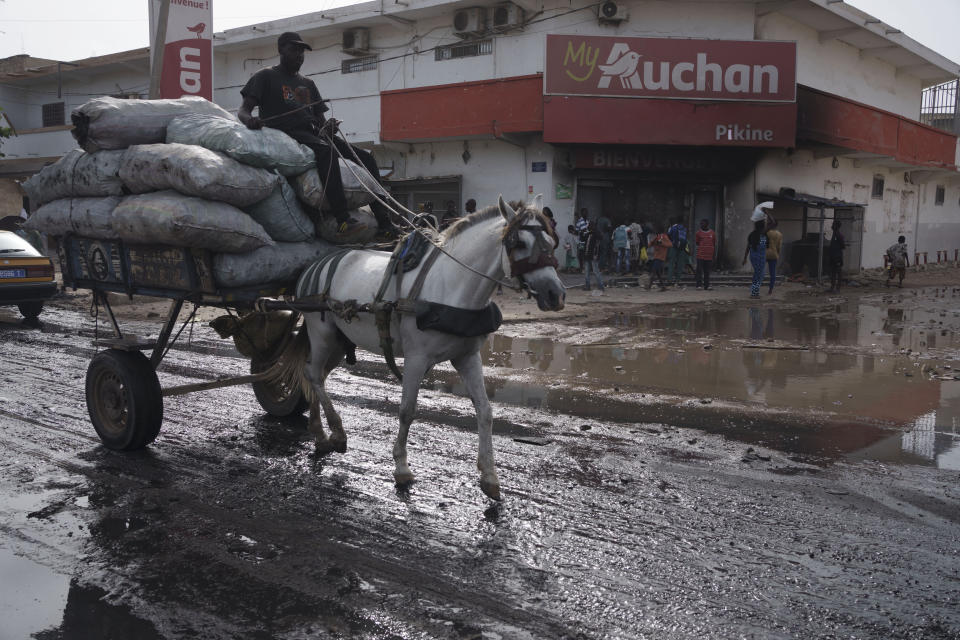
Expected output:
(187, 49)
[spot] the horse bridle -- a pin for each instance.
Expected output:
(541, 253)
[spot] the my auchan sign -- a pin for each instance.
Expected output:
(676, 68)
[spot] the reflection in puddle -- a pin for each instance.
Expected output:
(32, 597)
(882, 390)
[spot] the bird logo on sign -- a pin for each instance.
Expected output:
(197, 28)
(622, 68)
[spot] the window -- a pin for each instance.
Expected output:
(53, 114)
(356, 65)
(877, 191)
(464, 50)
(941, 193)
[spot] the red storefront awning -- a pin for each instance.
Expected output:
(465, 109)
(852, 126)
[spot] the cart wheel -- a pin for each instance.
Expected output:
(124, 399)
(275, 398)
(31, 310)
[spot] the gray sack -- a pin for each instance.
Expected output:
(195, 171)
(281, 262)
(357, 183)
(167, 217)
(266, 148)
(89, 217)
(114, 123)
(327, 228)
(76, 174)
(281, 215)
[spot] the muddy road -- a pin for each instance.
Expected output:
(737, 473)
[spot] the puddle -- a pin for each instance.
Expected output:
(884, 407)
(925, 320)
(32, 597)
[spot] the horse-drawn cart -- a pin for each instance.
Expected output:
(123, 392)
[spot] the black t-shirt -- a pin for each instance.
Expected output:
(278, 92)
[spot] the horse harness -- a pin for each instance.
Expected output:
(408, 254)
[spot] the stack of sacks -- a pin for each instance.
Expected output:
(186, 173)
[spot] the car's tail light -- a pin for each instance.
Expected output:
(40, 271)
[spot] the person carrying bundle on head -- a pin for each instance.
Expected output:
(291, 103)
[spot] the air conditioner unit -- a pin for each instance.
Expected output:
(507, 16)
(610, 11)
(470, 22)
(356, 42)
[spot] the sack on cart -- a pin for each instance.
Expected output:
(357, 185)
(89, 217)
(265, 148)
(77, 175)
(168, 217)
(195, 171)
(281, 215)
(114, 123)
(281, 262)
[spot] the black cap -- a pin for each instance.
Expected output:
(291, 37)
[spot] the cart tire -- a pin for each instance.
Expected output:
(124, 399)
(277, 400)
(31, 310)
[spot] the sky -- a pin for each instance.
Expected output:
(70, 30)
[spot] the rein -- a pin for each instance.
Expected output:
(515, 273)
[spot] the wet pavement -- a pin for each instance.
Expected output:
(785, 470)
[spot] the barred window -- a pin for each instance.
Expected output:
(464, 50)
(877, 191)
(53, 114)
(356, 65)
(941, 195)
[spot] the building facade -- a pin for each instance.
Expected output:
(640, 110)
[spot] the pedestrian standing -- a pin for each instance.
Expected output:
(899, 260)
(757, 252)
(835, 254)
(706, 242)
(605, 229)
(570, 242)
(581, 224)
(592, 256)
(677, 255)
(661, 245)
(637, 239)
(621, 249)
(774, 242)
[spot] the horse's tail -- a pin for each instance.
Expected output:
(289, 370)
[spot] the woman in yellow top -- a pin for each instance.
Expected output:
(774, 242)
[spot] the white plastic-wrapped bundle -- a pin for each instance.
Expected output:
(281, 262)
(195, 171)
(267, 148)
(282, 216)
(114, 123)
(167, 217)
(357, 184)
(77, 174)
(90, 217)
(327, 228)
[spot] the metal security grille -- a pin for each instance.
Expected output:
(356, 65)
(53, 114)
(464, 50)
(939, 106)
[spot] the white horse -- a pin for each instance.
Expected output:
(477, 252)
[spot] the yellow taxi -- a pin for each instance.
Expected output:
(26, 276)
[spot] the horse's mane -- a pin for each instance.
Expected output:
(477, 217)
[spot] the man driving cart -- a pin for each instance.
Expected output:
(291, 103)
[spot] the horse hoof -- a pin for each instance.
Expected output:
(490, 489)
(323, 447)
(340, 446)
(403, 479)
